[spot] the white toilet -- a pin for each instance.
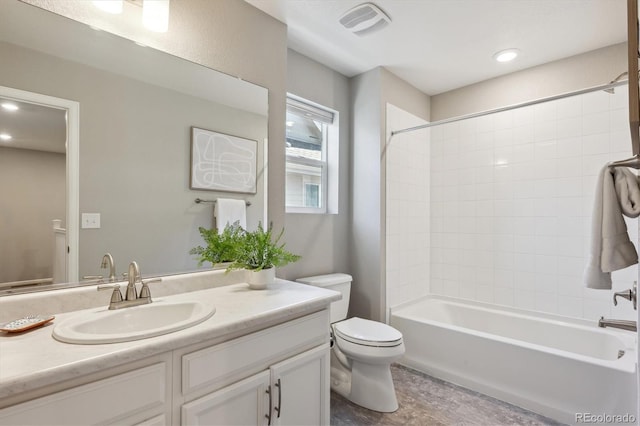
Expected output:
(362, 353)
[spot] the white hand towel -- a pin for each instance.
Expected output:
(229, 211)
(611, 248)
(628, 191)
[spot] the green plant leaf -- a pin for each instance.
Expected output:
(255, 250)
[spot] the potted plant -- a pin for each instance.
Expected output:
(220, 248)
(259, 253)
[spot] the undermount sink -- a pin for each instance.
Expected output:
(123, 325)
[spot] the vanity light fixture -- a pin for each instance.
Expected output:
(5, 136)
(155, 15)
(10, 107)
(506, 55)
(109, 6)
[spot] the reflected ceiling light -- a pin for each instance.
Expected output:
(110, 6)
(5, 136)
(506, 55)
(10, 107)
(155, 15)
(290, 123)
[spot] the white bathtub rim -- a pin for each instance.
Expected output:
(629, 338)
(626, 363)
(591, 324)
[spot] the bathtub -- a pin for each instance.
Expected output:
(555, 366)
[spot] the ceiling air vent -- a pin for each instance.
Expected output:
(364, 19)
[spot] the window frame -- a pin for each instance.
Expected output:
(322, 164)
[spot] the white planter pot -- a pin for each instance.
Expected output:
(258, 280)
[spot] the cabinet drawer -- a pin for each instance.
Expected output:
(102, 402)
(219, 365)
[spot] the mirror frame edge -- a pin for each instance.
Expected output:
(72, 167)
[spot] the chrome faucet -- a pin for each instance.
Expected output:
(107, 262)
(132, 298)
(133, 275)
(621, 324)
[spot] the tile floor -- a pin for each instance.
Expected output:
(427, 401)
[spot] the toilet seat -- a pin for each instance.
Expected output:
(367, 333)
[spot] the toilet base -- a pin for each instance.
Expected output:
(367, 385)
(372, 387)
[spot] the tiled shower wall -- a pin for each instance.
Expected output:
(511, 201)
(407, 209)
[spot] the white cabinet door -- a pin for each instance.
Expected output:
(123, 399)
(243, 403)
(300, 387)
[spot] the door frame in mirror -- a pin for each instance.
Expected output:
(72, 166)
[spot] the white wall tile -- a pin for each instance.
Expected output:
(569, 128)
(510, 199)
(524, 299)
(595, 102)
(569, 107)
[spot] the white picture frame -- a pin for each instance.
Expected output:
(221, 162)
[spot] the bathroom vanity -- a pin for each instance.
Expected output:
(262, 358)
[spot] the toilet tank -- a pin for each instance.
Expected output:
(336, 282)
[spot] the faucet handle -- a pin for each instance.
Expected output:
(627, 294)
(153, 280)
(93, 277)
(116, 296)
(145, 293)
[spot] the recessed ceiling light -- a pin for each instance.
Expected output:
(5, 136)
(10, 107)
(506, 55)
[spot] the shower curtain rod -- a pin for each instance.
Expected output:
(510, 107)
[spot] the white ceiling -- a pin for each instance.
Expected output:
(440, 45)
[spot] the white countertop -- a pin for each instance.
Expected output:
(34, 359)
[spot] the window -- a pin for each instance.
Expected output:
(312, 135)
(312, 195)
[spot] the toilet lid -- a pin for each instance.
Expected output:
(366, 332)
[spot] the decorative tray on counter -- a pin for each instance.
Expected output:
(26, 323)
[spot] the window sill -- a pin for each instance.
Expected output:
(305, 210)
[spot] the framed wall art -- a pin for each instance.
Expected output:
(221, 162)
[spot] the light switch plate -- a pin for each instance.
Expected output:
(90, 220)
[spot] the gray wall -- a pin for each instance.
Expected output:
(134, 159)
(32, 194)
(321, 239)
(370, 92)
(566, 75)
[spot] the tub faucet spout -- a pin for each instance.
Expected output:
(621, 324)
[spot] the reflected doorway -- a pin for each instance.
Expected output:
(38, 195)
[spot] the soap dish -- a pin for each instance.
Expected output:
(25, 323)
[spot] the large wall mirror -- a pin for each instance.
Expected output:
(136, 107)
